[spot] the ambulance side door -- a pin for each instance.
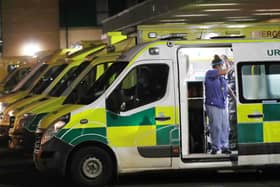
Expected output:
(258, 106)
(141, 115)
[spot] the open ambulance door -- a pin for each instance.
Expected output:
(258, 107)
(194, 61)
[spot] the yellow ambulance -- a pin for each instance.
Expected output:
(152, 116)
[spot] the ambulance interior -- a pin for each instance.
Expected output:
(198, 63)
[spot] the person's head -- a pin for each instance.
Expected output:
(226, 59)
(217, 62)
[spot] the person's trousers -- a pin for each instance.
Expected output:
(219, 127)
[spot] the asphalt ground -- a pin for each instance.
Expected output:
(17, 170)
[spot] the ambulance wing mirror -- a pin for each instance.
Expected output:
(114, 102)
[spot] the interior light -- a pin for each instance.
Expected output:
(222, 10)
(216, 4)
(268, 10)
(243, 19)
(172, 20)
(30, 49)
(237, 17)
(191, 15)
(267, 14)
(214, 23)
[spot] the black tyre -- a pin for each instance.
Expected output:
(92, 166)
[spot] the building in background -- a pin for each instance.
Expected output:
(81, 20)
(31, 25)
(1, 39)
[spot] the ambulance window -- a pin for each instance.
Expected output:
(259, 81)
(94, 84)
(47, 78)
(273, 80)
(84, 84)
(87, 81)
(16, 78)
(32, 79)
(142, 85)
(67, 79)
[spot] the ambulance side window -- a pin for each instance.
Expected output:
(259, 81)
(143, 85)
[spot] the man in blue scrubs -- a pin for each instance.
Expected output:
(216, 105)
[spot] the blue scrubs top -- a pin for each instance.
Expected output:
(215, 89)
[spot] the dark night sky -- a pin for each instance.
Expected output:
(75, 13)
(79, 13)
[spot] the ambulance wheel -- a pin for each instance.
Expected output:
(92, 166)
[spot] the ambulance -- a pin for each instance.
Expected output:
(152, 116)
(12, 79)
(45, 86)
(10, 63)
(60, 71)
(67, 91)
(24, 88)
(49, 80)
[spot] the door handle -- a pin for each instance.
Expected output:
(163, 118)
(255, 115)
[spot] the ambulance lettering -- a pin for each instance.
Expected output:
(271, 34)
(273, 52)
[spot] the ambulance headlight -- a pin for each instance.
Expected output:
(3, 106)
(12, 113)
(54, 128)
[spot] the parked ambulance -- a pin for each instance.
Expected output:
(41, 72)
(12, 79)
(152, 116)
(67, 91)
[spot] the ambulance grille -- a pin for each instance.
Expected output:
(38, 137)
(12, 121)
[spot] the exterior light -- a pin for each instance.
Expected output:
(210, 35)
(154, 51)
(152, 35)
(30, 49)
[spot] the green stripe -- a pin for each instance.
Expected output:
(164, 135)
(33, 124)
(271, 112)
(146, 117)
(250, 133)
(82, 134)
